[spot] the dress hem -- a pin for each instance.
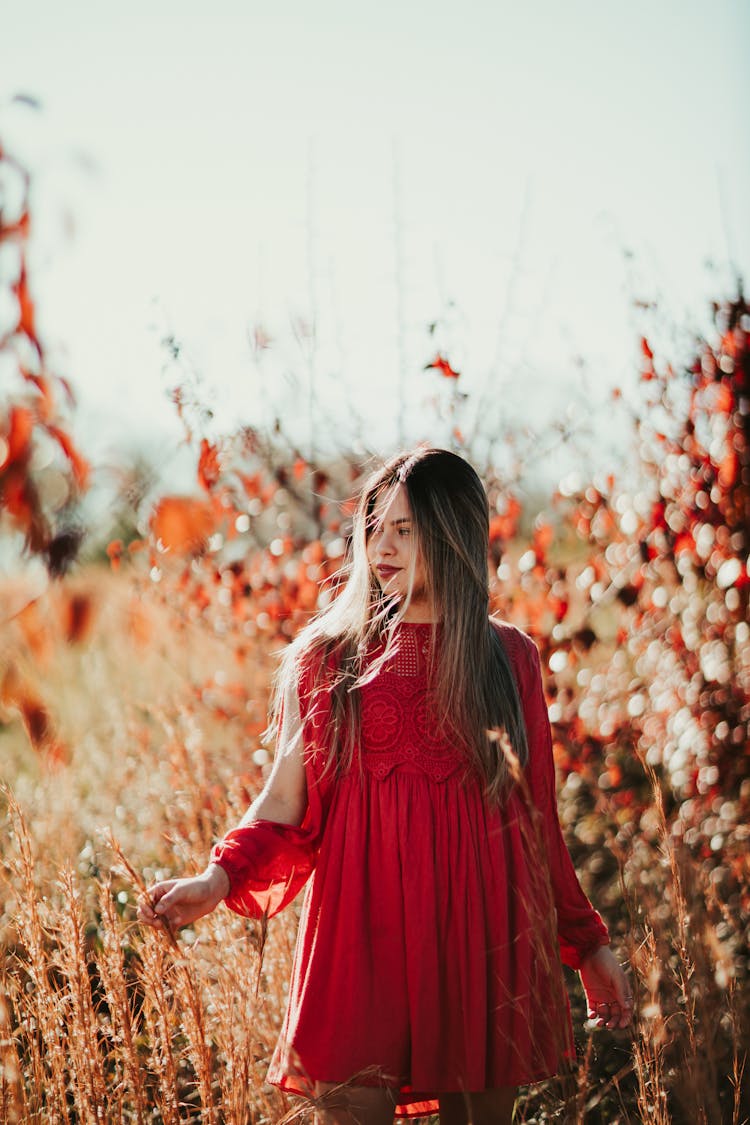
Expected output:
(410, 1104)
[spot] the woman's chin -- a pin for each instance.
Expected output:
(389, 587)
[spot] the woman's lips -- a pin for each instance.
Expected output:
(387, 571)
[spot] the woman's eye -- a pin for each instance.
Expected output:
(404, 532)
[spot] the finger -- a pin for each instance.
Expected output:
(603, 1012)
(145, 912)
(174, 909)
(169, 899)
(623, 993)
(595, 1014)
(159, 890)
(611, 1013)
(624, 1004)
(153, 923)
(167, 914)
(148, 918)
(627, 1014)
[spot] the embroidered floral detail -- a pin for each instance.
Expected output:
(398, 723)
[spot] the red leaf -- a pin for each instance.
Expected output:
(209, 468)
(442, 365)
(21, 425)
(728, 469)
(26, 308)
(19, 695)
(21, 227)
(182, 523)
(503, 526)
(78, 464)
(683, 542)
(78, 616)
(723, 398)
(541, 540)
(658, 515)
(114, 552)
(46, 402)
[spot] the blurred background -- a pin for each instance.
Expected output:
(343, 179)
(246, 253)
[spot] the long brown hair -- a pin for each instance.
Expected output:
(471, 681)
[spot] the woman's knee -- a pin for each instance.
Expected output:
(484, 1107)
(338, 1104)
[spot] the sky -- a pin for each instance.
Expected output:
(520, 174)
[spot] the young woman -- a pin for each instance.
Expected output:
(414, 786)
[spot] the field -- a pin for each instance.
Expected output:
(132, 740)
(134, 691)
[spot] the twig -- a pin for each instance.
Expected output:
(114, 845)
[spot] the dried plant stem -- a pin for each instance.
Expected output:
(738, 1064)
(158, 1012)
(84, 1053)
(698, 1057)
(112, 971)
(41, 1007)
(12, 1101)
(141, 887)
(187, 993)
(650, 1040)
(187, 996)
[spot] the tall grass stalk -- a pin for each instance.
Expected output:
(127, 1071)
(40, 1007)
(689, 1027)
(75, 1006)
(12, 1099)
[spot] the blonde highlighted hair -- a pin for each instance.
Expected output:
(471, 681)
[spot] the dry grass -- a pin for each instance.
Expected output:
(103, 1022)
(693, 1022)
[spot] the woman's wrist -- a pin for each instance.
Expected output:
(218, 880)
(591, 950)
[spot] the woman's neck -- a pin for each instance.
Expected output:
(419, 613)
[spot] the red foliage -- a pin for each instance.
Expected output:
(209, 465)
(17, 695)
(183, 524)
(441, 364)
(504, 525)
(34, 410)
(78, 616)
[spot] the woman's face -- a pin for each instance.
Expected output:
(391, 546)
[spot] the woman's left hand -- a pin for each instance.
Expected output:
(608, 992)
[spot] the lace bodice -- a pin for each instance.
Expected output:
(398, 719)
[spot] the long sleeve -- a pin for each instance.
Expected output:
(268, 862)
(580, 927)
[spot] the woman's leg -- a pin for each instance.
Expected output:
(354, 1105)
(486, 1107)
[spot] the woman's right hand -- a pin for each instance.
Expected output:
(181, 901)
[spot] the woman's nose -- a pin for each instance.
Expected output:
(387, 544)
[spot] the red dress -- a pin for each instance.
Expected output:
(433, 926)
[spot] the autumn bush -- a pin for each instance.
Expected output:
(37, 402)
(133, 698)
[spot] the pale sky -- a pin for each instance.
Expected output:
(253, 162)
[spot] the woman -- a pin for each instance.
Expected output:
(414, 781)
